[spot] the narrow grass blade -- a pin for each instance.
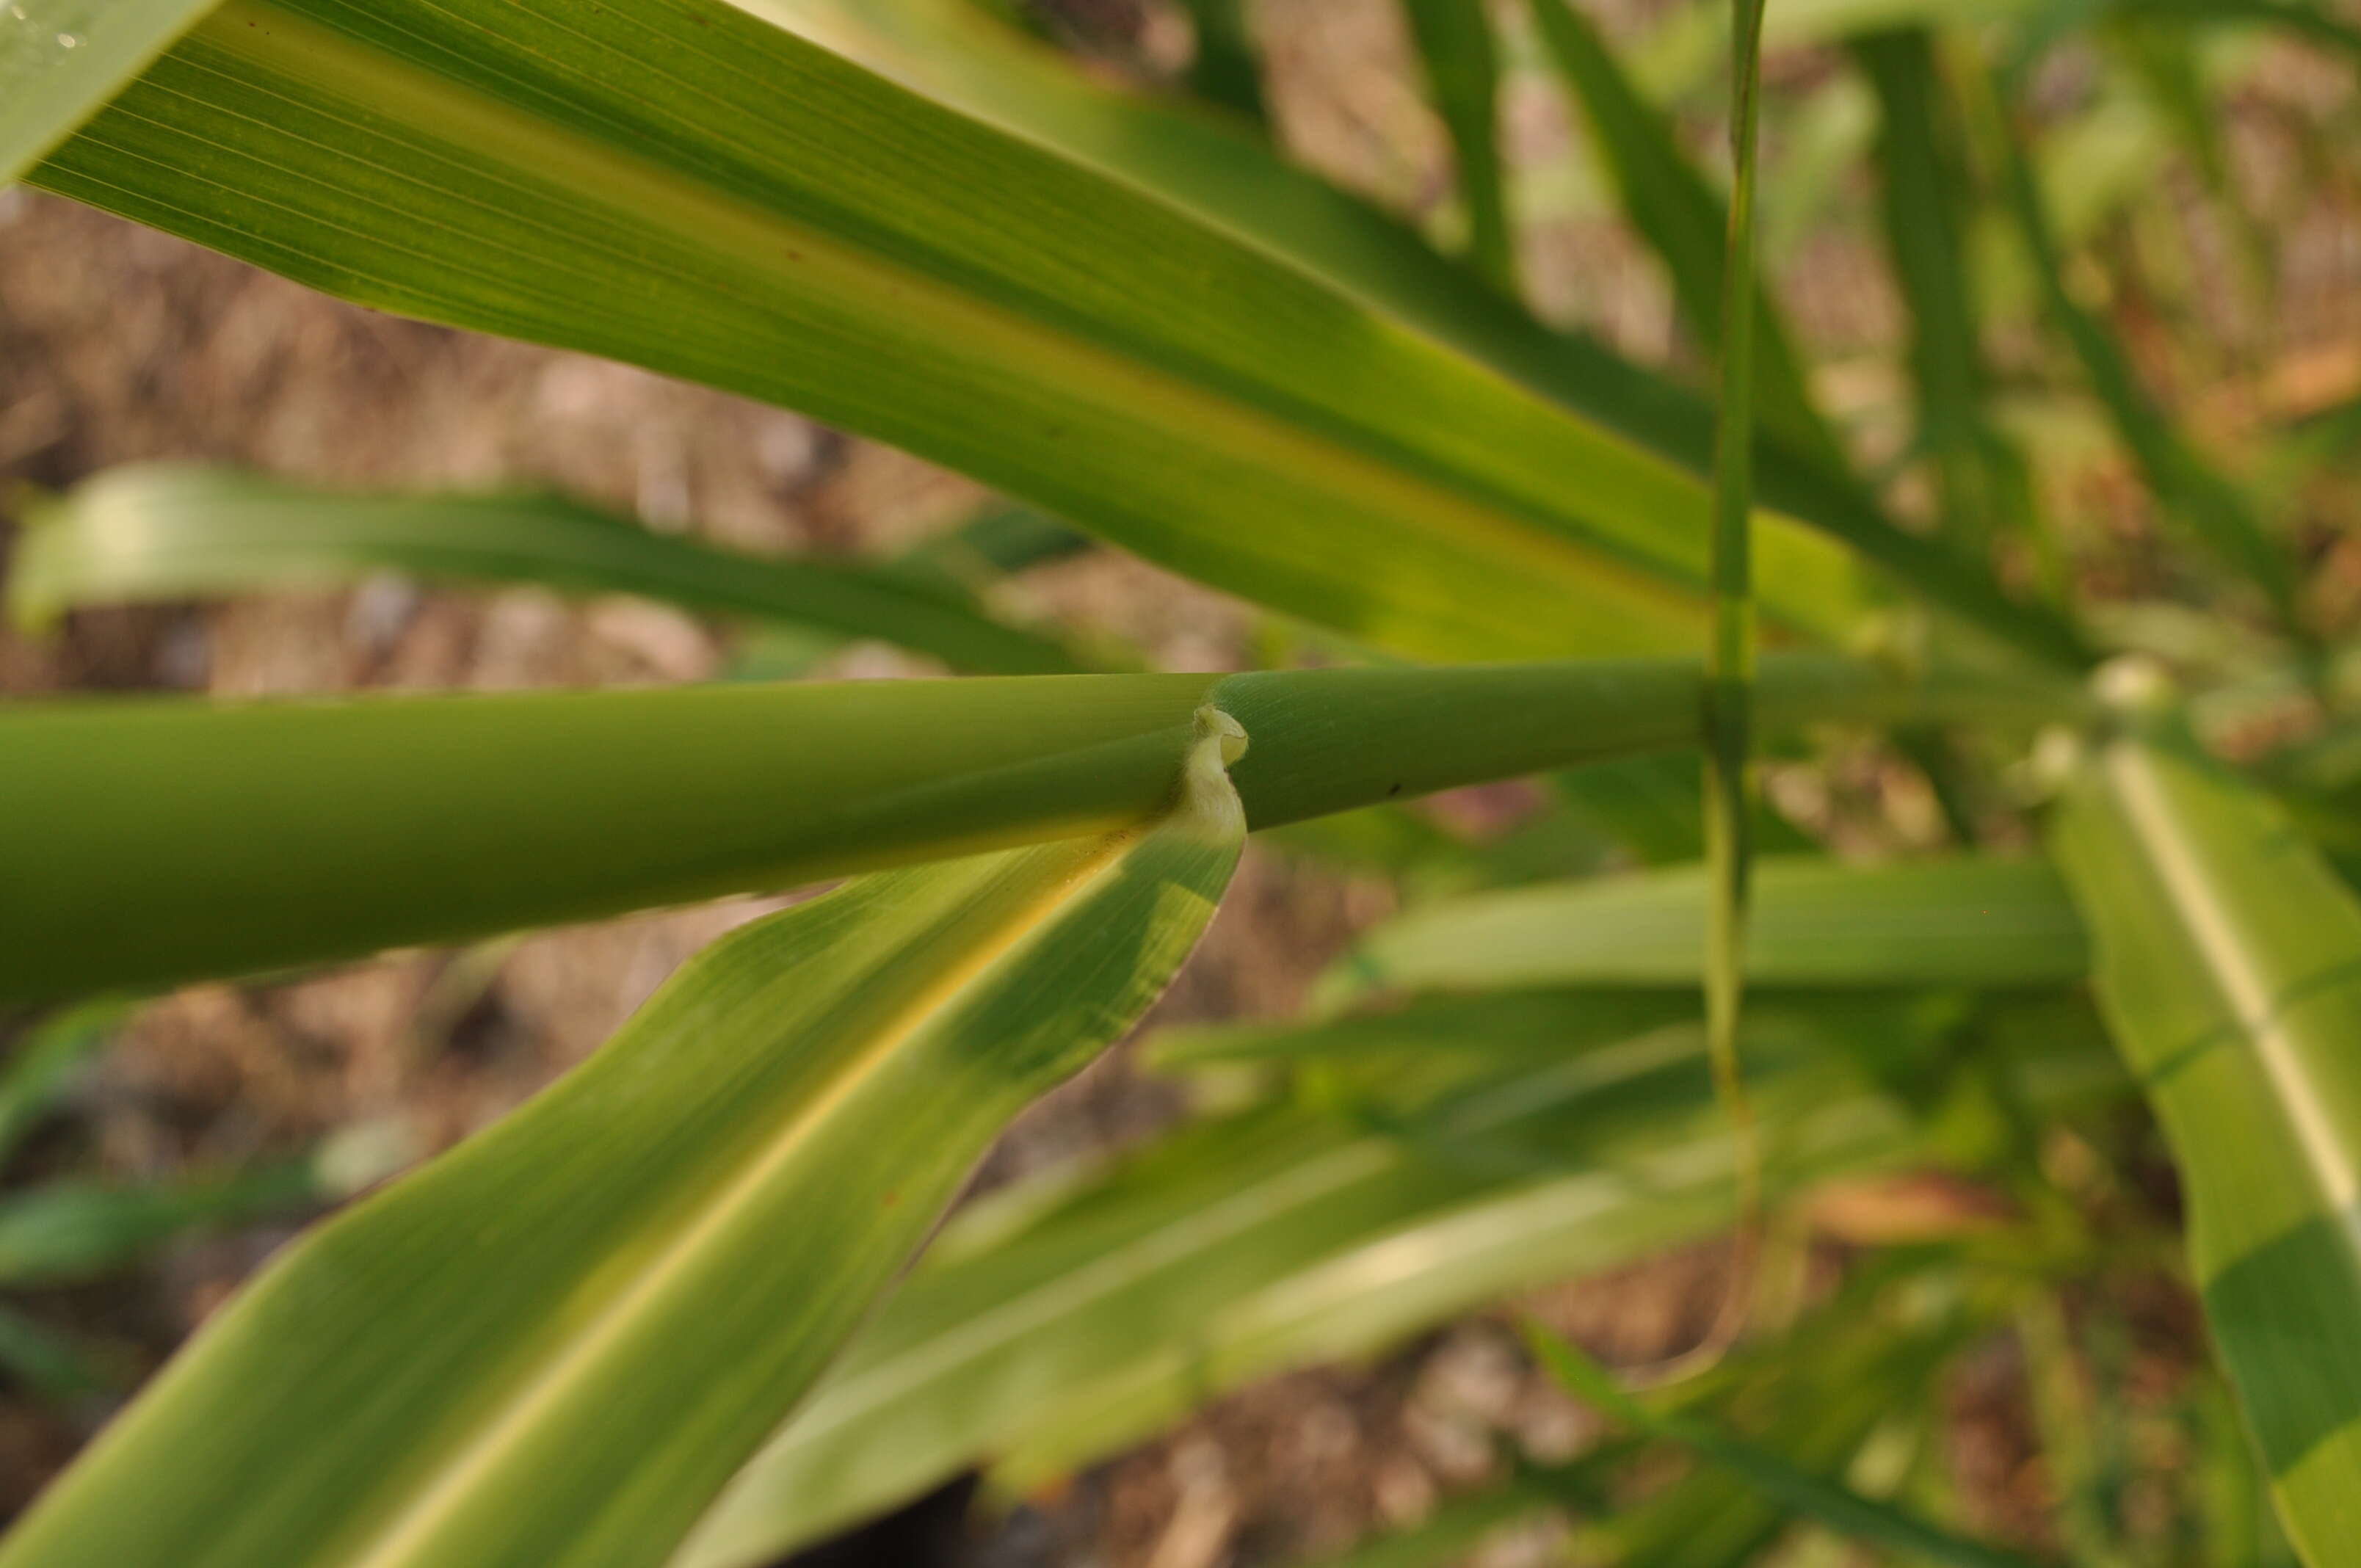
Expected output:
(999, 539)
(1290, 1235)
(2314, 23)
(301, 832)
(1819, 1395)
(67, 1231)
(2229, 965)
(47, 1362)
(684, 187)
(172, 532)
(1463, 75)
(1438, 1028)
(1225, 70)
(964, 562)
(1927, 204)
(1455, 1530)
(1808, 182)
(1684, 221)
(554, 1344)
(2183, 482)
(42, 1060)
(60, 60)
(1451, 1535)
(1962, 922)
(1807, 1495)
(2064, 1425)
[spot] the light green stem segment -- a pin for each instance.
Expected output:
(180, 840)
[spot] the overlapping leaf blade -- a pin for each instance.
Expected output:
(1287, 1236)
(554, 1344)
(2229, 964)
(169, 532)
(771, 251)
(684, 187)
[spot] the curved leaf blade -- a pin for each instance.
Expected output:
(60, 60)
(555, 1343)
(2229, 966)
(1287, 1236)
(684, 187)
(170, 532)
(948, 51)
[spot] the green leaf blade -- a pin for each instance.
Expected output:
(2227, 962)
(1991, 923)
(953, 53)
(1280, 1238)
(679, 1233)
(298, 833)
(60, 60)
(742, 209)
(169, 532)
